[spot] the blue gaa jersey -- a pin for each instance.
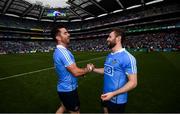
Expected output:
(62, 59)
(116, 68)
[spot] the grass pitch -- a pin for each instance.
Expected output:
(158, 87)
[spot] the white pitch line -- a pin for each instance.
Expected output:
(32, 72)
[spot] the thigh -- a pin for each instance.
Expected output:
(114, 108)
(70, 100)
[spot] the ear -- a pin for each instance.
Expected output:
(58, 38)
(119, 38)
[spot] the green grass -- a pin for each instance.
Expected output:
(158, 87)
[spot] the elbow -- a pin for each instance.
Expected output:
(75, 74)
(134, 84)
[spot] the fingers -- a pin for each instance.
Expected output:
(90, 67)
(93, 67)
(104, 97)
(107, 96)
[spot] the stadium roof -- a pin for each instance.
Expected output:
(51, 3)
(76, 11)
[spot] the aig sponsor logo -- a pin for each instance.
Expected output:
(108, 70)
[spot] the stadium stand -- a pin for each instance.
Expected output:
(154, 27)
(162, 41)
(27, 75)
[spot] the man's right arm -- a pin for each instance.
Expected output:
(70, 65)
(76, 71)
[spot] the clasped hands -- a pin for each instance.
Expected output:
(90, 67)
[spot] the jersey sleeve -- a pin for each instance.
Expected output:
(130, 65)
(66, 59)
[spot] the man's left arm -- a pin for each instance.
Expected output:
(131, 84)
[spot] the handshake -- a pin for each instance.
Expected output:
(90, 67)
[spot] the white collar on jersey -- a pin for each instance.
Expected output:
(60, 46)
(119, 51)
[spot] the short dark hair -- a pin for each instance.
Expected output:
(55, 31)
(119, 32)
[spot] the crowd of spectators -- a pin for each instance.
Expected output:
(95, 44)
(162, 41)
(7, 47)
(126, 16)
(154, 41)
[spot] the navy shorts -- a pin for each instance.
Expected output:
(113, 107)
(70, 100)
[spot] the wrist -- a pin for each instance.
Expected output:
(114, 93)
(86, 70)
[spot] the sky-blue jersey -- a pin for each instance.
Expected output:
(62, 59)
(116, 68)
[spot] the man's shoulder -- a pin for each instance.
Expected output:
(127, 53)
(62, 50)
(59, 52)
(125, 57)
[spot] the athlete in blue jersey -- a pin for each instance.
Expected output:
(67, 72)
(120, 74)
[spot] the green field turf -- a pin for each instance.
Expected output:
(158, 87)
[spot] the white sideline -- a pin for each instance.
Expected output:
(32, 72)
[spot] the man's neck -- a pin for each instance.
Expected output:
(116, 48)
(60, 43)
